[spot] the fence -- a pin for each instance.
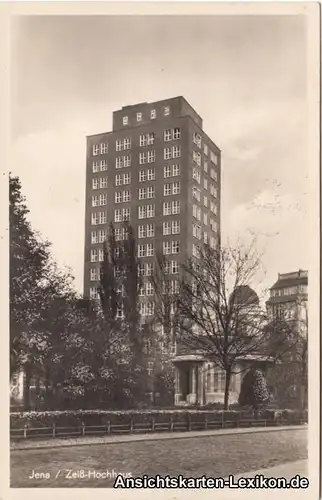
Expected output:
(144, 427)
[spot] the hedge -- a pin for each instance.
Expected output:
(33, 419)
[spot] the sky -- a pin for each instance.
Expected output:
(245, 76)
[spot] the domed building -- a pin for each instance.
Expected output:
(200, 381)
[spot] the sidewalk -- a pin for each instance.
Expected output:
(82, 441)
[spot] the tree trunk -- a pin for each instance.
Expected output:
(26, 387)
(227, 385)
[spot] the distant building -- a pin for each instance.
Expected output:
(288, 299)
(200, 381)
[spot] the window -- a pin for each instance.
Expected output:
(104, 148)
(213, 225)
(149, 269)
(205, 184)
(151, 174)
(141, 231)
(196, 156)
(94, 201)
(147, 157)
(94, 255)
(195, 250)
(142, 175)
(122, 144)
(102, 217)
(171, 189)
(174, 152)
(212, 242)
(150, 231)
(213, 174)
(102, 236)
(197, 139)
(213, 191)
(205, 219)
(103, 165)
(214, 158)
(146, 211)
(196, 175)
(205, 166)
(94, 237)
(149, 289)
(205, 238)
(94, 219)
(150, 192)
(205, 149)
(101, 255)
(167, 189)
(141, 251)
(126, 213)
(196, 193)
(95, 167)
(166, 228)
(167, 171)
(150, 250)
(175, 247)
(147, 139)
(126, 178)
(95, 183)
(205, 201)
(125, 120)
(96, 149)
(118, 180)
(175, 170)
(94, 274)
(103, 182)
(93, 293)
(103, 199)
(175, 207)
(213, 207)
(126, 196)
(142, 194)
(118, 197)
(166, 110)
(118, 215)
(167, 208)
(196, 231)
(174, 287)
(175, 225)
(174, 267)
(171, 134)
(153, 114)
(196, 212)
(139, 117)
(166, 248)
(141, 270)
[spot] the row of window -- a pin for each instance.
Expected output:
(211, 241)
(144, 212)
(145, 308)
(144, 231)
(196, 176)
(196, 192)
(153, 115)
(144, 175)
(196, 212)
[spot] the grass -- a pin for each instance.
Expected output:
(214, 456)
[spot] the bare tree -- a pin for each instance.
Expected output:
(219, 314)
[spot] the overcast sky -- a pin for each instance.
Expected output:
(246, 77)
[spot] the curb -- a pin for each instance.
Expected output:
(157, 437)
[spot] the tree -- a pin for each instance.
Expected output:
(289, 378)
(126, 337)
(254, 391)
(220, 315)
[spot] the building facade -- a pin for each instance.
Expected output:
(158, 170)
(289, 299)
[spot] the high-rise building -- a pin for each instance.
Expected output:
(158, 170)
(288, 299)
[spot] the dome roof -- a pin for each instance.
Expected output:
(244, 295)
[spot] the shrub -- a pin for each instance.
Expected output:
(254, 390)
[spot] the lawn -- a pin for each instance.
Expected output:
(213, 456)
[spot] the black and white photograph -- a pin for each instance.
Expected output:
(159, 250)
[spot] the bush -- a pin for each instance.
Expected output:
(254, 392)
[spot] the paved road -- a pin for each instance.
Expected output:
(214, 456)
